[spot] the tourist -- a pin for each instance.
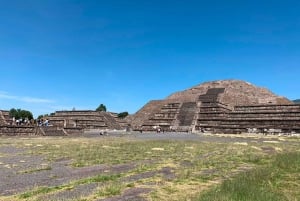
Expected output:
(46, 123)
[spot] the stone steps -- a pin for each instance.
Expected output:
(242, 118)
(52, 131)
(141, 116)
(163, 116)
(187, 113)
(111, 121)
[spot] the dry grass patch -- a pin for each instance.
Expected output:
(169, 168)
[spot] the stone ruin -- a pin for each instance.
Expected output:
(8, 129)
(226, 106)
(63, 123)
(86, 119)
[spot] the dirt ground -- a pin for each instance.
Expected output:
(16, 179)
(17, 175)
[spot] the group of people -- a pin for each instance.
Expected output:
(21, 121)
(43, 122)
(26, 121)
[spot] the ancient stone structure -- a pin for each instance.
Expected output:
(18, 130)
(63, 123)
(226, 106)
(8, 129)
(121, 121)
(84, 119)
(4, 117)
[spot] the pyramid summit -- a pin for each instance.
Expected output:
(236, 92)
(224, 106)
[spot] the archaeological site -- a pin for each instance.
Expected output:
(228, 106)
(225, 106)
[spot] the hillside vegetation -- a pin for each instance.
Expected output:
(297, 101)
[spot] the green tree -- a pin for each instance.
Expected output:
(14, 113)
(123, 114)
(18, 113)
(101, 108)
(40, 116)
(297, 101)
(43, 116)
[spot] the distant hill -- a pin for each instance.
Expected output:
(297, 101)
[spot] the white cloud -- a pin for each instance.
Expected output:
(35, 100)
(5, 95)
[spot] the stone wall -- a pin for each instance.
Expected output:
(252, 118)
(18, 130)
(4, 117)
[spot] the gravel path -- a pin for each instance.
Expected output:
(187, 137)
(19, 172)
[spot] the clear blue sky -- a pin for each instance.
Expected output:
(60, 54)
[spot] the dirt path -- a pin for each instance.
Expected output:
(21, 172)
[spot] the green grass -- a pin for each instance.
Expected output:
(45, 190)
(98, 179)
(206, 170)
(110, 190)
(267, 183)
(34, 170)
(39, 190)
